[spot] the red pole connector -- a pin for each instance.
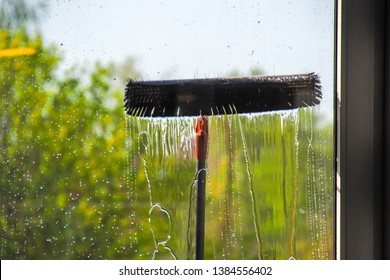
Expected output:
(201, 139)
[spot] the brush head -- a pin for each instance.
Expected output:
(173, 98)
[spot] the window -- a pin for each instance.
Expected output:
(80, 180)
(270, 177)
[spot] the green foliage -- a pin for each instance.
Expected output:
(255, 71)
(18, 14)
(62, 145)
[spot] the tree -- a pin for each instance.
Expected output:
(60, 196)
(17, 14)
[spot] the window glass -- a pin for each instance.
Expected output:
(81, 180)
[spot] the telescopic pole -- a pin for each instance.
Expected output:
(201, 141)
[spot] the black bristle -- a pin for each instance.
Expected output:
(171, 98)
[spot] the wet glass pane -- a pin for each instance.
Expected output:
(80, 179)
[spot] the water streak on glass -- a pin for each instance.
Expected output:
(269, 186)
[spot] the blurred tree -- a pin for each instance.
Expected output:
(16, 14)
(127, 70)
(59, 197)
(255, 71)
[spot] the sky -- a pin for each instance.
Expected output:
(179, 39)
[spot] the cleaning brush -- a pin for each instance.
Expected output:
(171, 98)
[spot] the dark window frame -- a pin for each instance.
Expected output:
(363, 129)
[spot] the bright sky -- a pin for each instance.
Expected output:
(195, 39)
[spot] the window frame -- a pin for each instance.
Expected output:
(362, 130)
